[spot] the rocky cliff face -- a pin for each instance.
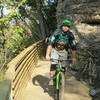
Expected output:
(79, 10)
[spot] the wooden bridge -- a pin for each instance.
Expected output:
(27, 77)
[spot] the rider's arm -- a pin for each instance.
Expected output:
(73, 56)
(73, 47)
(49, 48)
(74, 53)
(48, 52)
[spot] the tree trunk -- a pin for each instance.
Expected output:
(40, 18)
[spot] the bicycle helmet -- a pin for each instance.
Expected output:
(66, 23)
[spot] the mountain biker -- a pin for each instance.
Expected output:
(58, 47)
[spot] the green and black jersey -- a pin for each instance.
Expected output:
(63, 41)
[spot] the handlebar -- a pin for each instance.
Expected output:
(61, 59)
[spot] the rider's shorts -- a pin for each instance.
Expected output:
(53, 67)
(58, 55)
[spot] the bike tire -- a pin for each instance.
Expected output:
(60, 91)
(57, 94)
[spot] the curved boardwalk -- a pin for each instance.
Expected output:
(37, 88)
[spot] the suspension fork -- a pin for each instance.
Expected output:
(58, 80)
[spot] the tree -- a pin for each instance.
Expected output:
(27, 22)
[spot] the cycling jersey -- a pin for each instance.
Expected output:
(63, 41)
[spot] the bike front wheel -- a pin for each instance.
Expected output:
(60, 91)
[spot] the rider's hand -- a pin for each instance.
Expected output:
(47, 57)
(73, 60)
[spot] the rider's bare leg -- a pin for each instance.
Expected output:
(52, 73)
(52, 70)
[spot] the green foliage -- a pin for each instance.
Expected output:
(9, 2)
(18, 40)
(5, 20)
(25, 1)
(2, 74)
(17, 30)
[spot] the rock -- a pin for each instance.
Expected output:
(80, 10)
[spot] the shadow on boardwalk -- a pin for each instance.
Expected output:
(42, 81)
(73, 89)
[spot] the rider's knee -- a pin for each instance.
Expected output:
(53, 67)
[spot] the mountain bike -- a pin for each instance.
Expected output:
(59, 80)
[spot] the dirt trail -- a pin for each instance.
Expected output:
(37, 87)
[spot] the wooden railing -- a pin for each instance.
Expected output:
(21, 68)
